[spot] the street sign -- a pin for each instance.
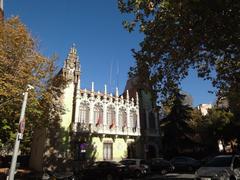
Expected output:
(21, 126)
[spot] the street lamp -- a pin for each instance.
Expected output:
(19, 137)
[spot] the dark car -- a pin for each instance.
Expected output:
(105, 170)
(136, 167)
(185, 164)
(160, 165)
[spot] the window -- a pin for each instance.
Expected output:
(84, 113)
(98, 114)
(133, 120)
(107, 151)
(122, 118)
(111, 117)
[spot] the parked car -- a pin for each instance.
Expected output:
(207, 159)
(136, 167)
(221, 167)
(184, 163)
(104, 170)
(160, 165)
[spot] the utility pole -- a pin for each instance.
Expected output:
(19, 136)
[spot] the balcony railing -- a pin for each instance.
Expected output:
(105, 129)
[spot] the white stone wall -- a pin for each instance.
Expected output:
(105, 100)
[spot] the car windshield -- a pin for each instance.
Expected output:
(128, 162)
(219, 162)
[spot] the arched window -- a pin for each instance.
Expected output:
(111, 121)
(122, 118)
(133, 120)
(84, 113)
(98, 114)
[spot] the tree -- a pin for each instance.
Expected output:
(176, 125)
(216, 125)
(184, 34)
(21, 64)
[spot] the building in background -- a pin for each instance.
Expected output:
(203, 108)
(150, 140)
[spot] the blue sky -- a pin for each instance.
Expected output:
(103, 45)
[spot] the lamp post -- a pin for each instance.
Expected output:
(19, 136)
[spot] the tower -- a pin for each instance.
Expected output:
(51, 146)
(71, 73)
(71, 68)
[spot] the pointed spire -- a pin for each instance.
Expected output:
(92, 86)
(73, 49)
(116, 92)
(105, 89)
(72, 55)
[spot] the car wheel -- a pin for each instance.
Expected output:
(138, 174)
(109, 177)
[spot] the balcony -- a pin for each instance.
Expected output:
(105, 129)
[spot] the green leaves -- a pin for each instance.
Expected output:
(22, 64)
(179, 35)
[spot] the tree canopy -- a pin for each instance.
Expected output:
(182, 34)
(22, 64)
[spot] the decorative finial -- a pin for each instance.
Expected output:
(73, 49)
(92, 86)
(105, 89)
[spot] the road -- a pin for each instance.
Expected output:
(171, 176)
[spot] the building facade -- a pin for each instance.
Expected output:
(203, 108)
(103, 126)
(150, 144)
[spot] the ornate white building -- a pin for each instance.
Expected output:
(111, 121)
(97, 125)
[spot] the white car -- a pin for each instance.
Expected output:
(223, 167)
